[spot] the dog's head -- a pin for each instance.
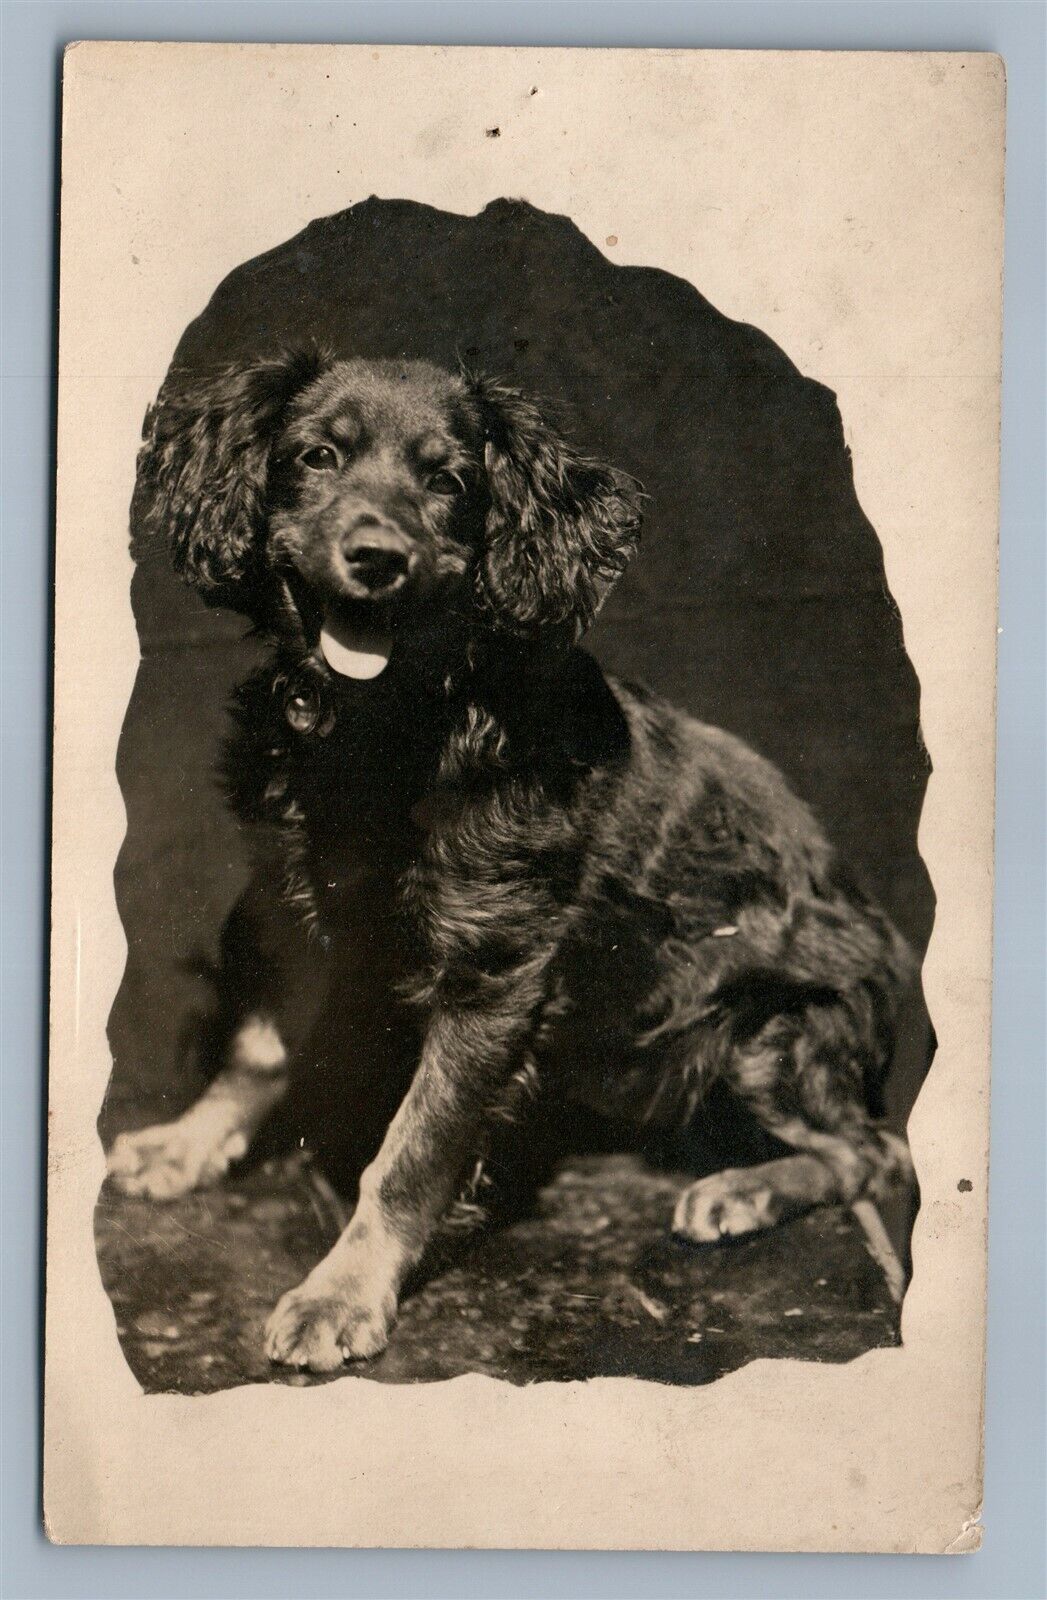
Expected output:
(362, 498)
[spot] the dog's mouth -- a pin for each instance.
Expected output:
(357, 638)
(355, 645)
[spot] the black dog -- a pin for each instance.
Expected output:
(553, 876)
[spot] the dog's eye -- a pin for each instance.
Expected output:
(445, 482)
(321, 458)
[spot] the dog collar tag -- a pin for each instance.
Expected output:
(304, 707)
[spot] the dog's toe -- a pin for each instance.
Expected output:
(724, 1205)
(167, 1161)
(125, 1158)
(305, 1334)
(320, 1332)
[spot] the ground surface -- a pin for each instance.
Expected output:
(590, 1284)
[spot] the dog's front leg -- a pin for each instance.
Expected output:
(346, 1306)
(272, 977)
(169, 1159)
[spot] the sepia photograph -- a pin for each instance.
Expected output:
(531, 770)
(522, 776)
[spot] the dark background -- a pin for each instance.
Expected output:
(758, 599)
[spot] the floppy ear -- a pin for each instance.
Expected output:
(560, 526)
(202, 468)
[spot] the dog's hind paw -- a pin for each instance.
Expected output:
(169, 1160)
(725, 1205)
(321, 1330)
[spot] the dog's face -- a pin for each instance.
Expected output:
(363, 499)
(376, 486)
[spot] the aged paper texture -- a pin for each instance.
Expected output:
(847, 206)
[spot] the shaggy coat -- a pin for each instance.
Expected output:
(465, 835)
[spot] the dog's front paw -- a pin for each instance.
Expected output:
(320, 1327)
(169, 1160)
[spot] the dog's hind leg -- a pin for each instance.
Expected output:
(802, 1077)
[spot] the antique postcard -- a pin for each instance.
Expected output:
(523, 813)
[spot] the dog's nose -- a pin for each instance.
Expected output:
(378, 559)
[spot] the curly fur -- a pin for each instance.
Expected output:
(520, 869)
(203, 468)
(561, 527)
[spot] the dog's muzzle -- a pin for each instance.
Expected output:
(378, 560)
